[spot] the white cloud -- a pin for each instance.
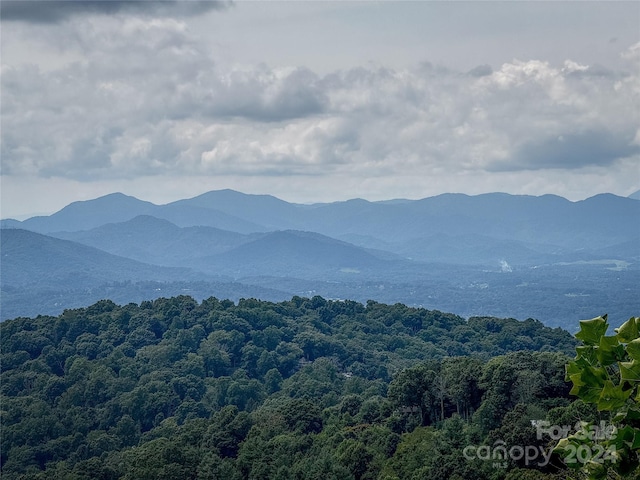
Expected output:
(632, 54)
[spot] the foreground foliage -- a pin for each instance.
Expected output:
(606, 373)
(305, 389)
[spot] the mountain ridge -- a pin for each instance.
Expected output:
(527, 228)
(490, 254)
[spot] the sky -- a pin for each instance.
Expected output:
(316, 101)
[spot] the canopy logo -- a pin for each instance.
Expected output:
(499, 454)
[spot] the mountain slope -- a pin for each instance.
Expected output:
(153, 240)
(30, 258)
(294, 254)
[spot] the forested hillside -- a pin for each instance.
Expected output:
(306, 388)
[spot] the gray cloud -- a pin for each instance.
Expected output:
(53, 11)
(148, 99)
(572, 151)
(262, 94)
(480, 71)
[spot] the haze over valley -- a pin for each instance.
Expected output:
(487, 255)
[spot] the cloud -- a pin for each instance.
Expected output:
(632, 54)
(572, 151)
(262, 94)
(147, 98)
(54, 11)
(480, 71)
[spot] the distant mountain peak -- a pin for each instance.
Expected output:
(111, 201)
(110, 197)
(230, 193)
(115, 195)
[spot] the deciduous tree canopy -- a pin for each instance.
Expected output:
(308, 388)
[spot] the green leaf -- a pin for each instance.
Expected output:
(571, 368)
(588, 384)
(586, 393)
(633, 349)
(609, 351)
(587, 355)
(564, 448)
(596, 470)
(628, 331)
(635, 445)
(631, 411)
(624, 437)
(630, 371)
(630, 465)
(591, 330)
(562, 444)
(612, 396)
(594, 376)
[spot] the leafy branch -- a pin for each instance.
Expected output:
(606, 372)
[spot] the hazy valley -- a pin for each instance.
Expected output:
(495, 254)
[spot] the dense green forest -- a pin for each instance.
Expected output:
(302, 389)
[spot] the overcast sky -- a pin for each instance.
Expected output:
(317, 101)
